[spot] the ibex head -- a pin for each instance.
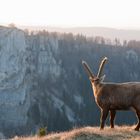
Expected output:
(95, 79)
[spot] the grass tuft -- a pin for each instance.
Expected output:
(42, 131)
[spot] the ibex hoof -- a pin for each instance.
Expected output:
(101, 128)
(136, 129)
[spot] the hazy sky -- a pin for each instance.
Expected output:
(106, 13)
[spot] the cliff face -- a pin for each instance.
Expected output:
(14, 81)
(42, 82)
(31, 88)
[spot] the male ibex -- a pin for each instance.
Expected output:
(114, 96)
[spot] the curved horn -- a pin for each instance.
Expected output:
(101, 67)
(87, 69)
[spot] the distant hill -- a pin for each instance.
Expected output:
(110, 33)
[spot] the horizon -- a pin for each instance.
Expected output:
(72, 14)
(24, 26)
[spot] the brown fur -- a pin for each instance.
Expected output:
(115, 96)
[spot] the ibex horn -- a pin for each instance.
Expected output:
(101, 67)
(87, 69)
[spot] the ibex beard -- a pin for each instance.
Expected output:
(111, 97)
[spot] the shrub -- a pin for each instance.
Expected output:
(42, 131)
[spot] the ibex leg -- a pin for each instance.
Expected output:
(138, 124)
(112, 117)
(104, 114)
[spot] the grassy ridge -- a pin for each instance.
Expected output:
(91, 133)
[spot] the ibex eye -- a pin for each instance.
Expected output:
(96, 79)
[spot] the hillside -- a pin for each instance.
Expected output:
(91, 133)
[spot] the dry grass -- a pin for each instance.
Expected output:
(91, 133)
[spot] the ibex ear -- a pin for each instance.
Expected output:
(91, 79)
(102, 78)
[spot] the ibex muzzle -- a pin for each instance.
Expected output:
(114, 96)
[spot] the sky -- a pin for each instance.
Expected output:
(72, 13)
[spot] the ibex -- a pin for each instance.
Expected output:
(114, 96)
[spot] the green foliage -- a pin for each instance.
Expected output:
(42, 131)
